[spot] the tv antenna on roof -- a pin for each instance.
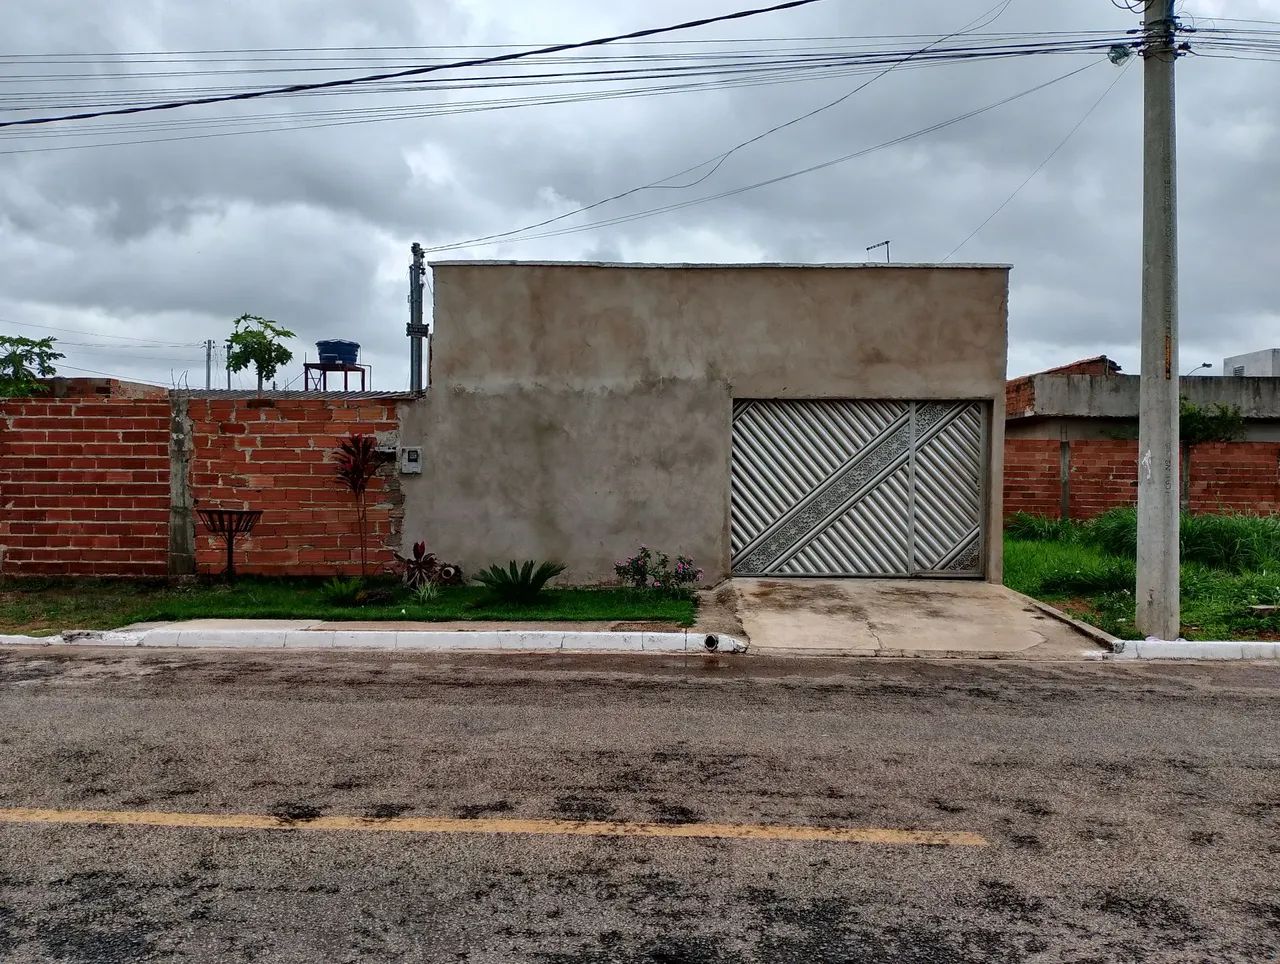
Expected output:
(882, 244)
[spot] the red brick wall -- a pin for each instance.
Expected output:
(1019, 396)
(1020, 393)
(101, 388)
(1235, 477)
(1104, 474)
(1031, 473)
(1224, 477)
(84, 486)
(274, 455)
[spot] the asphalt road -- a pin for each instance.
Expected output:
(1132, 811)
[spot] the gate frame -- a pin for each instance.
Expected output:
(989, 512)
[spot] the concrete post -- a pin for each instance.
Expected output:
(415, 329)
(1064, 478)
(1158, 604)
(182, 522)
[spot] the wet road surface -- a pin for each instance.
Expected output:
(1131, 812)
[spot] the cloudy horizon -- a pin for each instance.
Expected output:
(137, 253)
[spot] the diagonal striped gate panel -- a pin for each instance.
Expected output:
(947, 503)
(859, 488)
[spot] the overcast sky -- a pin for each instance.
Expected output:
(170, 241)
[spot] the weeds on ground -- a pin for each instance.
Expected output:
(1234, 542)
(1090, 574)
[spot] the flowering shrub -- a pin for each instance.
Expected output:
(654, 571)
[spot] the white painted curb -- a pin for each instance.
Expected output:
(30, 640)
(559, 641)
(1184, 649)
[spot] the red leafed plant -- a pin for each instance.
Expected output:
(356, 462)
(423, 568)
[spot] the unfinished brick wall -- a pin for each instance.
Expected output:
(274, 455)
(1104, 475)
(84, 486)
(1235, 477)
(1031, 476)
(1020, 393)
(1224, 477)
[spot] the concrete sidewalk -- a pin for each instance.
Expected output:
(900, 617)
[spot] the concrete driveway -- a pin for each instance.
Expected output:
(900, 617)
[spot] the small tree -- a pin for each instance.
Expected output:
(23, 362)
(258, 342)
(356, 459)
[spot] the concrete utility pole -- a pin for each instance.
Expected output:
(416, 330)
(1158, 602)
(208, 363)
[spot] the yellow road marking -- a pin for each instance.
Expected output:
(569, 828)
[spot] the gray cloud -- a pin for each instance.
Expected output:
(172, 240)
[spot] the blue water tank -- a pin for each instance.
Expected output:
(338, 350)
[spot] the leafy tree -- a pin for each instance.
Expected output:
(258, 343)
(23, 362)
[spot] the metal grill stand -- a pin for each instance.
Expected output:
(229, 523)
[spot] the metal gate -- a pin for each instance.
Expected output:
(857, 488)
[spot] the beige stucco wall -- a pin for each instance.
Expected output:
(577, 411)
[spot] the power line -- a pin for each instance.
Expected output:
(719, 159)
(1039, 167)
(113, 54)
(415, 71)
(98, 334)
(404, 113)
(119, 347)
(158, 358)
(734, 65)
(93, 371)
(784, 177)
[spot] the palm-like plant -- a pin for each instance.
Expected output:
(518, 583)
(356, 462)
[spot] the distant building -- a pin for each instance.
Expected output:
(1256, 364)
(1093, 399)
(1071, 442)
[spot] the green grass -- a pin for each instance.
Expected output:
(1233, 542)
(1229, 564)
(45, 607)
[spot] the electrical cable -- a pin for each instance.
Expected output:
(405, 113)
(1039, 167)
(98, 334)
(103, 344)
(828, 61)
(92, 371)
(635, 216)
(719, 159)
(53, 55)
(415, 71)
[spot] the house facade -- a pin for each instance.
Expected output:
(764, 419)
(781, 420)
